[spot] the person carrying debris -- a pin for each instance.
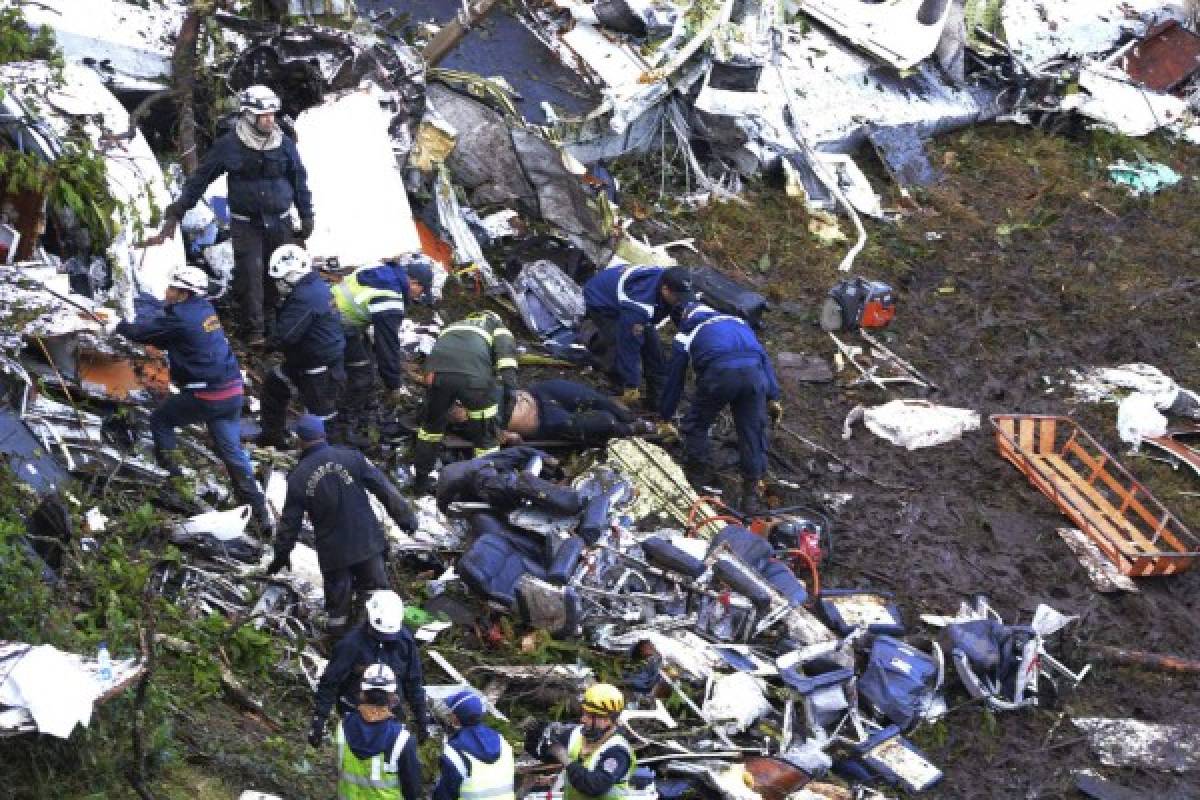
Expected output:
(565, 410)
(476, 764)
(732, 369)
(599, 761)
(209, 379)
(266, 178)
(462, 367)
(376, 298)
(626, 304)
(376, 756)
(381, 639)
(308, 332)
(330, 484)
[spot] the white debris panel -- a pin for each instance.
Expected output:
(359, 202)
(916, 423)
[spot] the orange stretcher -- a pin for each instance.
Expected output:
(1132, 528)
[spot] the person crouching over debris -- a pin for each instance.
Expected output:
(330, 484)
(376, 756)
(599, 761)
(381, 639)
(266, 178)
(377, 298)
(206, 371)
(626, 304)
(462, 367)
(564, 410)
(732, 369)
(476, 764)
(308, 332)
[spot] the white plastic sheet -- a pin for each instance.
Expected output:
(917, 423)
(1137, 419)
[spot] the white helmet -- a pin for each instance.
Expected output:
(385, 614)
(289, 263)
(193, 279)
(379, 676)
(259, 99)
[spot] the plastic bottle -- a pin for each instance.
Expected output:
(105, 661)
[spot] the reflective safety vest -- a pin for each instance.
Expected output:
(356, 303)
(575, 751)
(368, 779)
(481, 780)
(685, 339)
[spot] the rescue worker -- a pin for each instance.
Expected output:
(476, 763)
(206, 372)
(376, 756)
(463, 367)
(330, 484)
(266, 178)
(381, 639)
(626, 304)
(732, 369)
(565, 410)
(308, 331)
(599, 761)
(377, 297)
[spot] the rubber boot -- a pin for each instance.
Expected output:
(753, 501)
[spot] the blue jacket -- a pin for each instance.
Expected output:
(478, 741)
(358, 650)
(387, 314)
(308, 328)
(263, 184)
(331, 484)
(369, 739)
(197, 351)
(711, 340)
(631, 296)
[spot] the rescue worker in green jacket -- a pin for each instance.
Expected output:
(376, 755)
(599, 761)
(477, 764)
(473, 362)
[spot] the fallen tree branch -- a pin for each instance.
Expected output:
(838, 459)
(233, 687)
(1140, 658)
(137, 771)
(183, 70)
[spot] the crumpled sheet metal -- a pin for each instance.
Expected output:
(1142, 745)
(901, 33)
(662, 488)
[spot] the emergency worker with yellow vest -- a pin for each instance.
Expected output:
(376, 755)
(599, 761)
(473, 362)
(477, 764)
(377, 298)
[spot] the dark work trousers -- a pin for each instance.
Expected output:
(483, 406)
(253, 244)
(603, 346)
(319, 389)
(222, 418)
(744, 390)
(577, 412)
(342, 584)
(360, 373)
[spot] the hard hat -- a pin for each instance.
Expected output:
(385, 614)
(603, 698)
(289, 263)
(259, 99)
(193, 279)
(380, 677)
(419, 267)
(492, 315)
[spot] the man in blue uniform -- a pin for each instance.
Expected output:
(330, 484)
(732, 369)
(378, 297)
(381, 639)
(376, 756)
(476, 763)
(266, 178)
(206, 372)
(626, 304)
(308, 331)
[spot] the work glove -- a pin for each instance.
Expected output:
(281, 560)
(559, 754)
(316, 733)
(408, 521)
(306, 228)
(631, 396)
(775, 411)
(668, 432)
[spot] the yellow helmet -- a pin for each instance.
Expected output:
(603, 698)
(486, 314)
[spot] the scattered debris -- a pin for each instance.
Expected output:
(1142, 745)
(1104, 574)
(915, 423)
